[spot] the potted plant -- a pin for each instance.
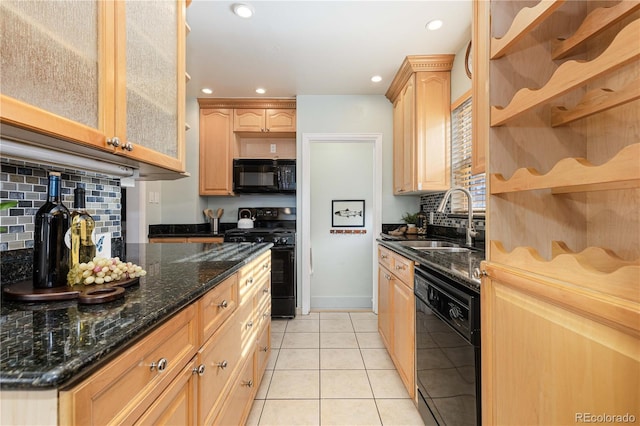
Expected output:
(411, 219)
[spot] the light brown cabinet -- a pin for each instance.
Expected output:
(264, 120)
(396, 313)
(216, 152)
(563, 255)
(421, 124)
(200, 367)
(109, 107)
(242, 128)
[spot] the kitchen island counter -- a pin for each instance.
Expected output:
(55, 344)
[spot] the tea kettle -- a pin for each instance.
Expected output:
(245, 221)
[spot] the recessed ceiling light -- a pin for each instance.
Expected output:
(261, 91)
(207, 91)
(243, 10)
(376, 79)
(434, 25)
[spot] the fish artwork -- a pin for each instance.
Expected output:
(348, 213)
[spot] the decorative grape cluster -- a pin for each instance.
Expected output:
(102, 270)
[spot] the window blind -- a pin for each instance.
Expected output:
(461, 147)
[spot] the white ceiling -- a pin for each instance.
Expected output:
(314, 47)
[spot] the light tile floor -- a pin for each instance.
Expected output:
(331, 368)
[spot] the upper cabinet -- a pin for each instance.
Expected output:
(242, 128)
(264, 120)
(104, 75)
(421, 98)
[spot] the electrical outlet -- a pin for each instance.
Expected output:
(273, 148)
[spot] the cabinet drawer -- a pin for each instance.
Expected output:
(177, 404)
(126, 387)
(403, 269)
(263, 351)
(254, 276)
(238, 404)
(385, 257)
(217, 305)
(221, 357)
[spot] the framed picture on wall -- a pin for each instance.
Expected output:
(347, 213)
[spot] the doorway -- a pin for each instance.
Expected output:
(338, 270)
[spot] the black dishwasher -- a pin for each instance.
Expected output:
(447, 350)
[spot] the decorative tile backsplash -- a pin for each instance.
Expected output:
(430, 202)
(26, 183)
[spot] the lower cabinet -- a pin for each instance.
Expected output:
(396, 313)
(203, 366)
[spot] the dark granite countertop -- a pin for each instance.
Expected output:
(55, 344)
(457, 266)
(188, 230)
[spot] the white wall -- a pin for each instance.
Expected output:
(460, 83)
(357, 114)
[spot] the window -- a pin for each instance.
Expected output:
(461, 162)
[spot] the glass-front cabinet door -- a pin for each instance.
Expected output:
(52, 67)
(103, 73)
(150, 81)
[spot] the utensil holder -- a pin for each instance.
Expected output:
(215, 224)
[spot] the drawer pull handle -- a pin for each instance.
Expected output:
(400, 267)
(384, 256)
(250, 324)
(248, 383)
(223, 364)
(161, 365)
(223, 304)
(199, 370)
(265, 349)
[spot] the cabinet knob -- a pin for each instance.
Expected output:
(161, 365)
(265, 266)
(115, 142)
(250, 281)
(265, 349)
(384, 256)
(265, 290)
(248, 383)
(387, 276)
(400, 266)
(127, 147)
(199, 370)
(250, 324)
(478, 274)
(223, 364)
(223, 304)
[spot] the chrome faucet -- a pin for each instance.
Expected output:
(471, 230)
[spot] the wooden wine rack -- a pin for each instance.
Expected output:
(573, 74)
(563, 254)
(595, 268)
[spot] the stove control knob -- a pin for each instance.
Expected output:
(259, 239)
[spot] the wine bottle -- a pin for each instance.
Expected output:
(50, 253)
(83, 248)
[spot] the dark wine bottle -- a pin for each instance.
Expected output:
(83, 249)
(50, 253)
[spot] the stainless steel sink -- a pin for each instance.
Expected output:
(428, 244)
(443, 249)
(434, 245)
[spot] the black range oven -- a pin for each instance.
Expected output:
(275, 225)
(447, 350)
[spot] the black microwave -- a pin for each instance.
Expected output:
(252, 176)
